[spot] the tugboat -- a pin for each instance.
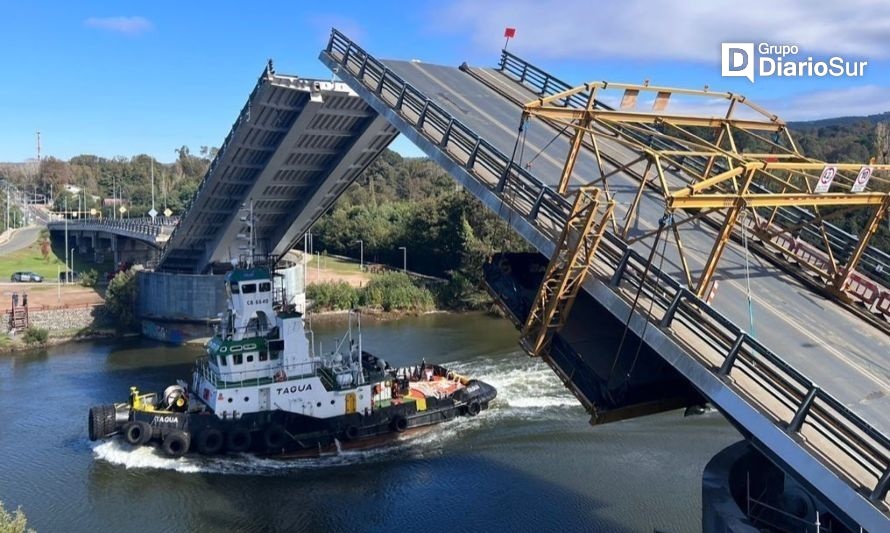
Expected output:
(263, 388)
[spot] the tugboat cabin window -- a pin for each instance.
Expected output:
(237, 358)
(249, 358)
(248, 288)
(265, 286)
(264, 355)
(235, 289)
(222, 360)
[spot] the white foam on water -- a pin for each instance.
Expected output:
(117, 452)
(527, 390)
(525, 385)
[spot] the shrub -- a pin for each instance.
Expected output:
(395, 291)
(35, 336)
(13, 522)
(332, 295)
(120, 300)
(89, 278)
(460, 294)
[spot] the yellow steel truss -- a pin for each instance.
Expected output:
(567, 269)
(713, 160)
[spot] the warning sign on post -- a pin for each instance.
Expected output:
(826, 178)
(862, 179)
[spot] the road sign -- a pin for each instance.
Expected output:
(167, 212)
(122, 210)
(152, 213)
(93, 211)
(825, 179)
(862, 179)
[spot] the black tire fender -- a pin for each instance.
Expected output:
(474, 407)
(274, 437)
(176, 443)
(238, 440)
(137, 432)
(399, 423)
(351, 432)
(101, 421)
(210, 441)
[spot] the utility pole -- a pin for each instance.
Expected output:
(361, 260)
(153, 213)
(38, 168)
(404, 258)
(67, 280)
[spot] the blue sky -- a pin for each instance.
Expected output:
(121, 78)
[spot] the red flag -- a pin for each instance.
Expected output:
(509, 32)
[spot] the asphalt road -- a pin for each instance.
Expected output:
(846, 356)
(20, 238)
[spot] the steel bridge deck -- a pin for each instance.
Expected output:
(845, 356)
(470, 129)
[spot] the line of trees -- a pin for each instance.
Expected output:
(412, 203)
(118, 177)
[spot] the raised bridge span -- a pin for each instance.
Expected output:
(809, 389)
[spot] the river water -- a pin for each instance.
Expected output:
(530, 463)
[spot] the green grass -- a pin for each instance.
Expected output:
(31, 260)
(335, 264)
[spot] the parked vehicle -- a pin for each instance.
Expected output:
(26, 277)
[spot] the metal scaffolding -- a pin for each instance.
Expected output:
(567, 269)
(728, 157)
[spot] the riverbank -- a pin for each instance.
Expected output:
(15, 345)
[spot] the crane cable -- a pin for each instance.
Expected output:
(546, 146)
(661, 225)
(520, 138)
(751, 330)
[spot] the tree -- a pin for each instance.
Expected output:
(15, 522)
(882, 142)
(120, 300)
(45, 249)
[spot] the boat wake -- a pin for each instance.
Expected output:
(527, 391)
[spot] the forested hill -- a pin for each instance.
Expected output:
(844, 139)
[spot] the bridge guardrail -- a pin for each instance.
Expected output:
(874, 261)
(840, 439)
(139, 228)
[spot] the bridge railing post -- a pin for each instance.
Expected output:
(471, 161)
(533, 213)
(622, 266)
(672, 308)
(880, 491)
(443, 144)
(422, 117)
(401, 99)
(733, 354)
(502, 180)
(802, 411)
(379, 89)
(361, 69)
